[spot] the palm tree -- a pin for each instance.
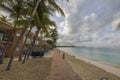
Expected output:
(54, 36)
(52, 5)
(4, 18)
(2, 1)
(22, 33)
(23, 22)
(42, 20)
(20, 56)
(14, 8)
(32, 45)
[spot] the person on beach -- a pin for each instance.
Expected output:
(63, 56)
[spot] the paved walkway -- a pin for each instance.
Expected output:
(60, 69)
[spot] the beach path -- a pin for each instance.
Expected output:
(60, 69)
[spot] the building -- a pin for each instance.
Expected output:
(5, 31)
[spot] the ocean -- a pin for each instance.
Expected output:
(107, 55)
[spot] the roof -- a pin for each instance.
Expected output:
(5, 25)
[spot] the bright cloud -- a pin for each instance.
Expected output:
(91, 17)
(90, 22)
(116, 24)
(63, 29)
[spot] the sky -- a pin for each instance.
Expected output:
(93, 23)
(89, 23)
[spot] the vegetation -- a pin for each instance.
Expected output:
(4, 18)
(35, 13)
(15, 9)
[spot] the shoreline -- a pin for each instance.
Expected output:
(86, 59)
(102, 65)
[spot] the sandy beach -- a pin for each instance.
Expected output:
(60, 69)
(53, 67)
(46, 68)
(33, 69)
(106, 66)
(89, 70)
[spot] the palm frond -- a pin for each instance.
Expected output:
(6, 8)
(4, 18)
(55, 6)
(20, 22)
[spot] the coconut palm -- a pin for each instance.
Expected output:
(14, 8)
(54, 36)
(42, 23)
(27, 35)
(53, 6)
(20, 56)
(22, 33)
(4, 18)
(3, 1)
(42, 19)
(46, 10)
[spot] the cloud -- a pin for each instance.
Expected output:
(89, 21)
(91, 17)
(116, 24)
(62, 29)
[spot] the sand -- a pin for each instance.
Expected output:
(88, 71)
(33, 69)
(51, 67)
(106, 66)
(60, 69)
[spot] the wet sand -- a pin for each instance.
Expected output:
(87, 70)
(106, 66)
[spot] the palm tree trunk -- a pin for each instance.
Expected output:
(6, 46)
(20, 56)
(33, 43)
(10, 37)
(19, 39)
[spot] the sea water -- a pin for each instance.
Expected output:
(107, 55)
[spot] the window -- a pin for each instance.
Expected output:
(28, 41)
(1, 35)
(18, 34)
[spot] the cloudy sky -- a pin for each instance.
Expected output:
(89, 23)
